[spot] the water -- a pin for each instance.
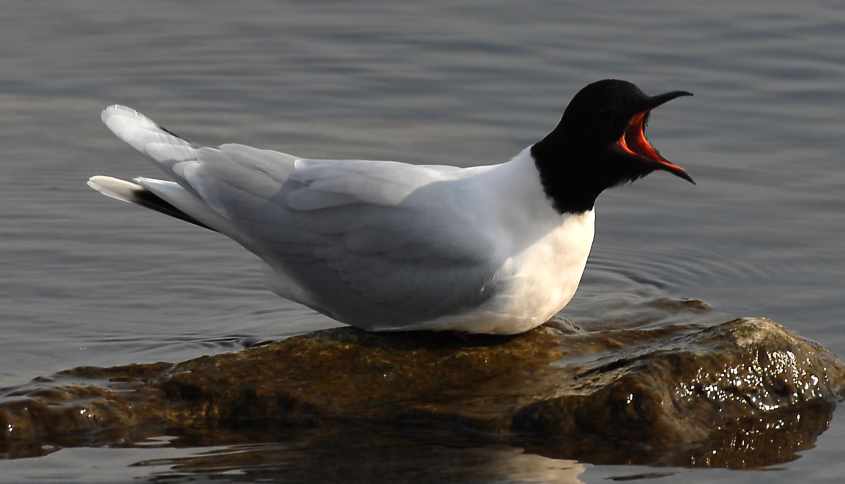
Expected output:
(91, 281)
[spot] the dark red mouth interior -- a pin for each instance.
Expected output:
(634, 142)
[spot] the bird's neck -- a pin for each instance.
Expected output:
(513, 195)
(569, 181)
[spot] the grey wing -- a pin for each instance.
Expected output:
(373, 244)
(377, 270)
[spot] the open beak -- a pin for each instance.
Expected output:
(634, 142)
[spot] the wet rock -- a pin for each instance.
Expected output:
(742, 393)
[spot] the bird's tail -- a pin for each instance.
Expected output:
(130, 192)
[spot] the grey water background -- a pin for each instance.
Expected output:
(90, 281)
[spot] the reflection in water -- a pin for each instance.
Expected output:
(379, 455)
(361, 455)
(368, 454)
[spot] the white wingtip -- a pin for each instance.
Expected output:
(115, 187)
(127, 123)
(138, 130)
(111, 113)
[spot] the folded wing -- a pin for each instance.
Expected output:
(376, 244)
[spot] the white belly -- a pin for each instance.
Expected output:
(531, 286)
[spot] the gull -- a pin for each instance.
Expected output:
(390, 246)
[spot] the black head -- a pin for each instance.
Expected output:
(599, 143)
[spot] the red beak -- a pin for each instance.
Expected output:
(634, 143)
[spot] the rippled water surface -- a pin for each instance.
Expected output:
(91, 281)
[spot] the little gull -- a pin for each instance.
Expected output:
(389, 246)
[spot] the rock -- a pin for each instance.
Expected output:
(742, 393)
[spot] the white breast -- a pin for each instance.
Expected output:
(532, 285)
(537, 283)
